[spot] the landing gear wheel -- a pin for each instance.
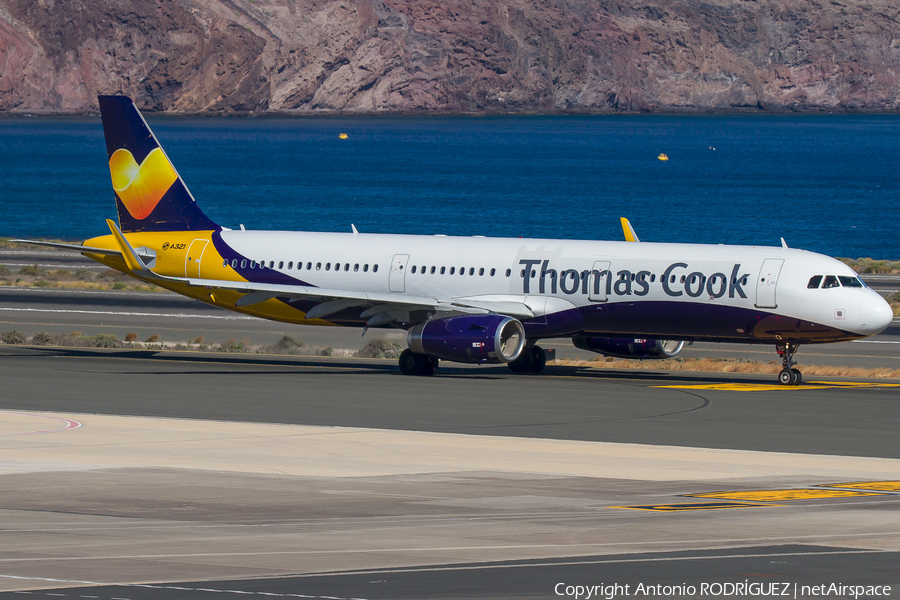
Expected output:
(408, 362)
(540, 359)
(523, 364)
(786, 377)
(417, 364)
(788, 374)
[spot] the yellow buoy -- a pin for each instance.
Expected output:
(343, 136)
(662, 157)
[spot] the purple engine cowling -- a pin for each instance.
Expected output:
(629, 347)
(469, 339)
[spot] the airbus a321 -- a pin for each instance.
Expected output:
(474, 299)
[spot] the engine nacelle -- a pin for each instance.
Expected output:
(469, 339)
(629, 347)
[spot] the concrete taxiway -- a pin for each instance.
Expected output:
(163, 475)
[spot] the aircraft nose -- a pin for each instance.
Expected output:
(875, 315)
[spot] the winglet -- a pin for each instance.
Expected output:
(783, 243)
(131, 258)
(630, 235)
(353, 228)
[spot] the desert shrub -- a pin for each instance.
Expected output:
(380, 349)
(329, 351)
(42, 338)
(199, 340)
(231, 346)
(287, 344)
(131, 337)
(120, 286)
(32, 271)
(13, 336)
(106, 340)
(153, 338)
(42, 283)
(73, 340)
(4, 270)
(83, 274)
(61, 273)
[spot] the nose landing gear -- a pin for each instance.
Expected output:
(788, 374)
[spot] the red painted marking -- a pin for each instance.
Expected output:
(69, 424)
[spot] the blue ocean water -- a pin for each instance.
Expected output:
(825, 183)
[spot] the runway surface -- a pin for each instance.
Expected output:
(178, 319)
(143, 475)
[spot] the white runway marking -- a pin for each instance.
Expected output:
(130, 314)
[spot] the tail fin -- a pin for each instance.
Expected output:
(150, 195)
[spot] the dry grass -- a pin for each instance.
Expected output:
(870, 265)
(719, 365)
(81, 279)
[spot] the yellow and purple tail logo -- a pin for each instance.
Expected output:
(140, 187)
(150, 196)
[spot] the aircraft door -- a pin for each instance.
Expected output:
(766, 283)
(597, 280)
(192, 260)
(398, 273)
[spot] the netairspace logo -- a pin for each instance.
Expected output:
(739, 589)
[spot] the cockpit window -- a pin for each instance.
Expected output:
(830, 282)
(850, 281)
(814, 282)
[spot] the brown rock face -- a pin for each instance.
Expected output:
(450, 55)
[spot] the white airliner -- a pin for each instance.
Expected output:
(474, 299)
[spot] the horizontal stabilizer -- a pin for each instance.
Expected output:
(80, 248)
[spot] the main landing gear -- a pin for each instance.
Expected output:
(532, 360)
(417, 364)
(788, 374)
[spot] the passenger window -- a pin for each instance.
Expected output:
(830, 282)
(443, 270)
(280, 264)
(366, 268)
(652, 278)
(481, 272)
(509, 272)
(462, 270)
(522, 274)
(414, 269)
(290, 265)
(814, 282)
(356, 267)
(472, 271)
(234, 264)
(225, 264)
(346, 267)
(493, 271)
(850, 281)
(433, 269)
(374, 268)
(309, 266)
(318, 266)
(243, 264)
(452, 270)
(271, 264)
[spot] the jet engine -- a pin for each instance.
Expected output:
(469, 339)
(629, 347)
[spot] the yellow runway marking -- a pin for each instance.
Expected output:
(782, 495)
(883, 486)
(767, 387)
(694, 506)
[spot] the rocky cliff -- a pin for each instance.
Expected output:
(450, 55)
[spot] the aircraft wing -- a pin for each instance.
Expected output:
(335, 300)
